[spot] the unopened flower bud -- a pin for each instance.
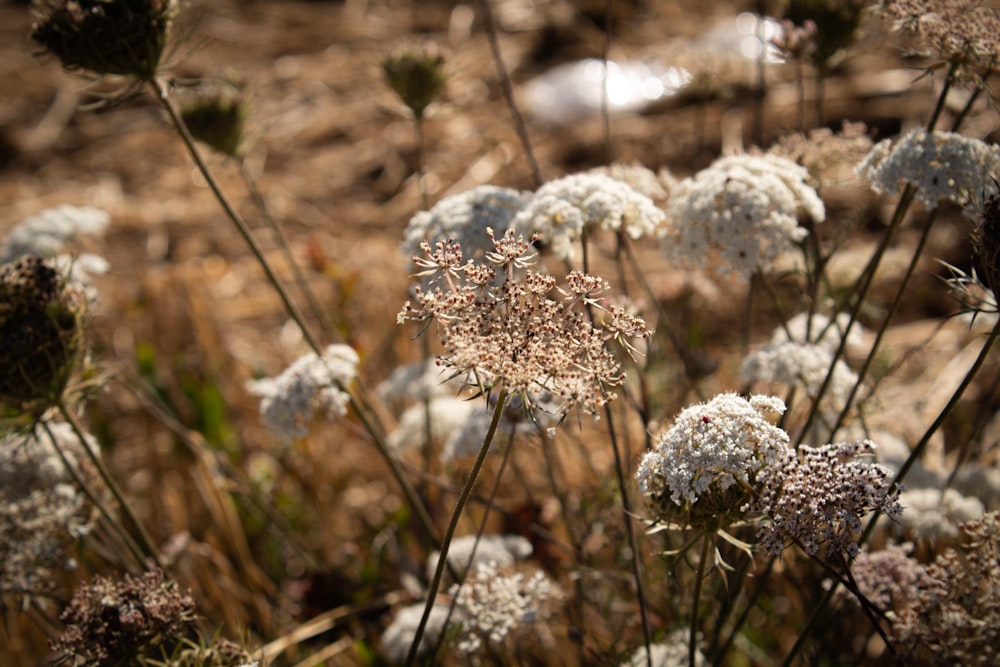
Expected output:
(216, 115)
(416, 75)
(125, 37)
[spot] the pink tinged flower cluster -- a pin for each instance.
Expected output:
(745, 207)
(526, 334)
(311, 385)
(819, 495)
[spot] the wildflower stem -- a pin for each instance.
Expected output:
(145, 543)
(160, 90)
(92, 497)
(508, 92)
(706, 543)
(463, 498)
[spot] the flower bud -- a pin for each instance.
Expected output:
(124, 37)
(417, 75)
(216, 115)
(40, 332)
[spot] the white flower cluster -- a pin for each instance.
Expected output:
(311, 384)
(944, 166)
(746, 207)
(819, 330)
(500, 550)
(465, 218)
(46, 233)
(399, 635)
(492, 605)
(933, 514)
(42, 510)
(801, 364)
(672, 652)
(563, 209)
(704, 465)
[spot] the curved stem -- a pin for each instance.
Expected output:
(463, 498)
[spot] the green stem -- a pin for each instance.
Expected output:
(463, 498)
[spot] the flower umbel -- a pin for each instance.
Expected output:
(703, 471)
(311, 384)
(515, 335)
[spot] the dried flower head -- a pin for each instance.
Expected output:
(41, 317)
(417, 75)
(704, 469)
(955, 619)
(829, 156)
(933, 514)
(818, 496)
(495, 607)
(516, 335)
(888, 578)
(986, 242)
(311, 384)
(112, 622)
(125, 37)
(218, 652)
(796, 41)
(215, 114)
(964, 34)
(839, 20)
(42, 513)
(944, 166)
(565, 209)
(746, 207)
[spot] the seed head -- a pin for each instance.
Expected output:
(40, 332)
(125, 37)
(987, 242)
(417, 75)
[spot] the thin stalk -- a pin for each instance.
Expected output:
(121, 533)
(470, 483)
(160, 90)
(508, 91)
(609, 9)
(144, 541)
(640, 588)
(326, 325)
(706, 541)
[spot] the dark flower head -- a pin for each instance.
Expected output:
(987, 242)
(124, 37)
(40, 332)
(417, 75)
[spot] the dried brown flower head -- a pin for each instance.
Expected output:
(960, 33)
(524, 335)
(111, 623)
(40, 332)
(216, 114)
(417, 75)
(987, 242)
(125, 37)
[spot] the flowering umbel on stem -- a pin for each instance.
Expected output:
(40, 333)
(516, 336)
(215, 114)
(125, 37)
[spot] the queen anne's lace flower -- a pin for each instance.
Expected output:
(500, 550)
(311, 384)
(944, 166)
(818, 496)
(801, 364)
(563, 209)
(464, 218)
(703, 470)
(673, 652)
(746, 207)
(396, 638)
(493, 605)
(45, 233)
(819, 330)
